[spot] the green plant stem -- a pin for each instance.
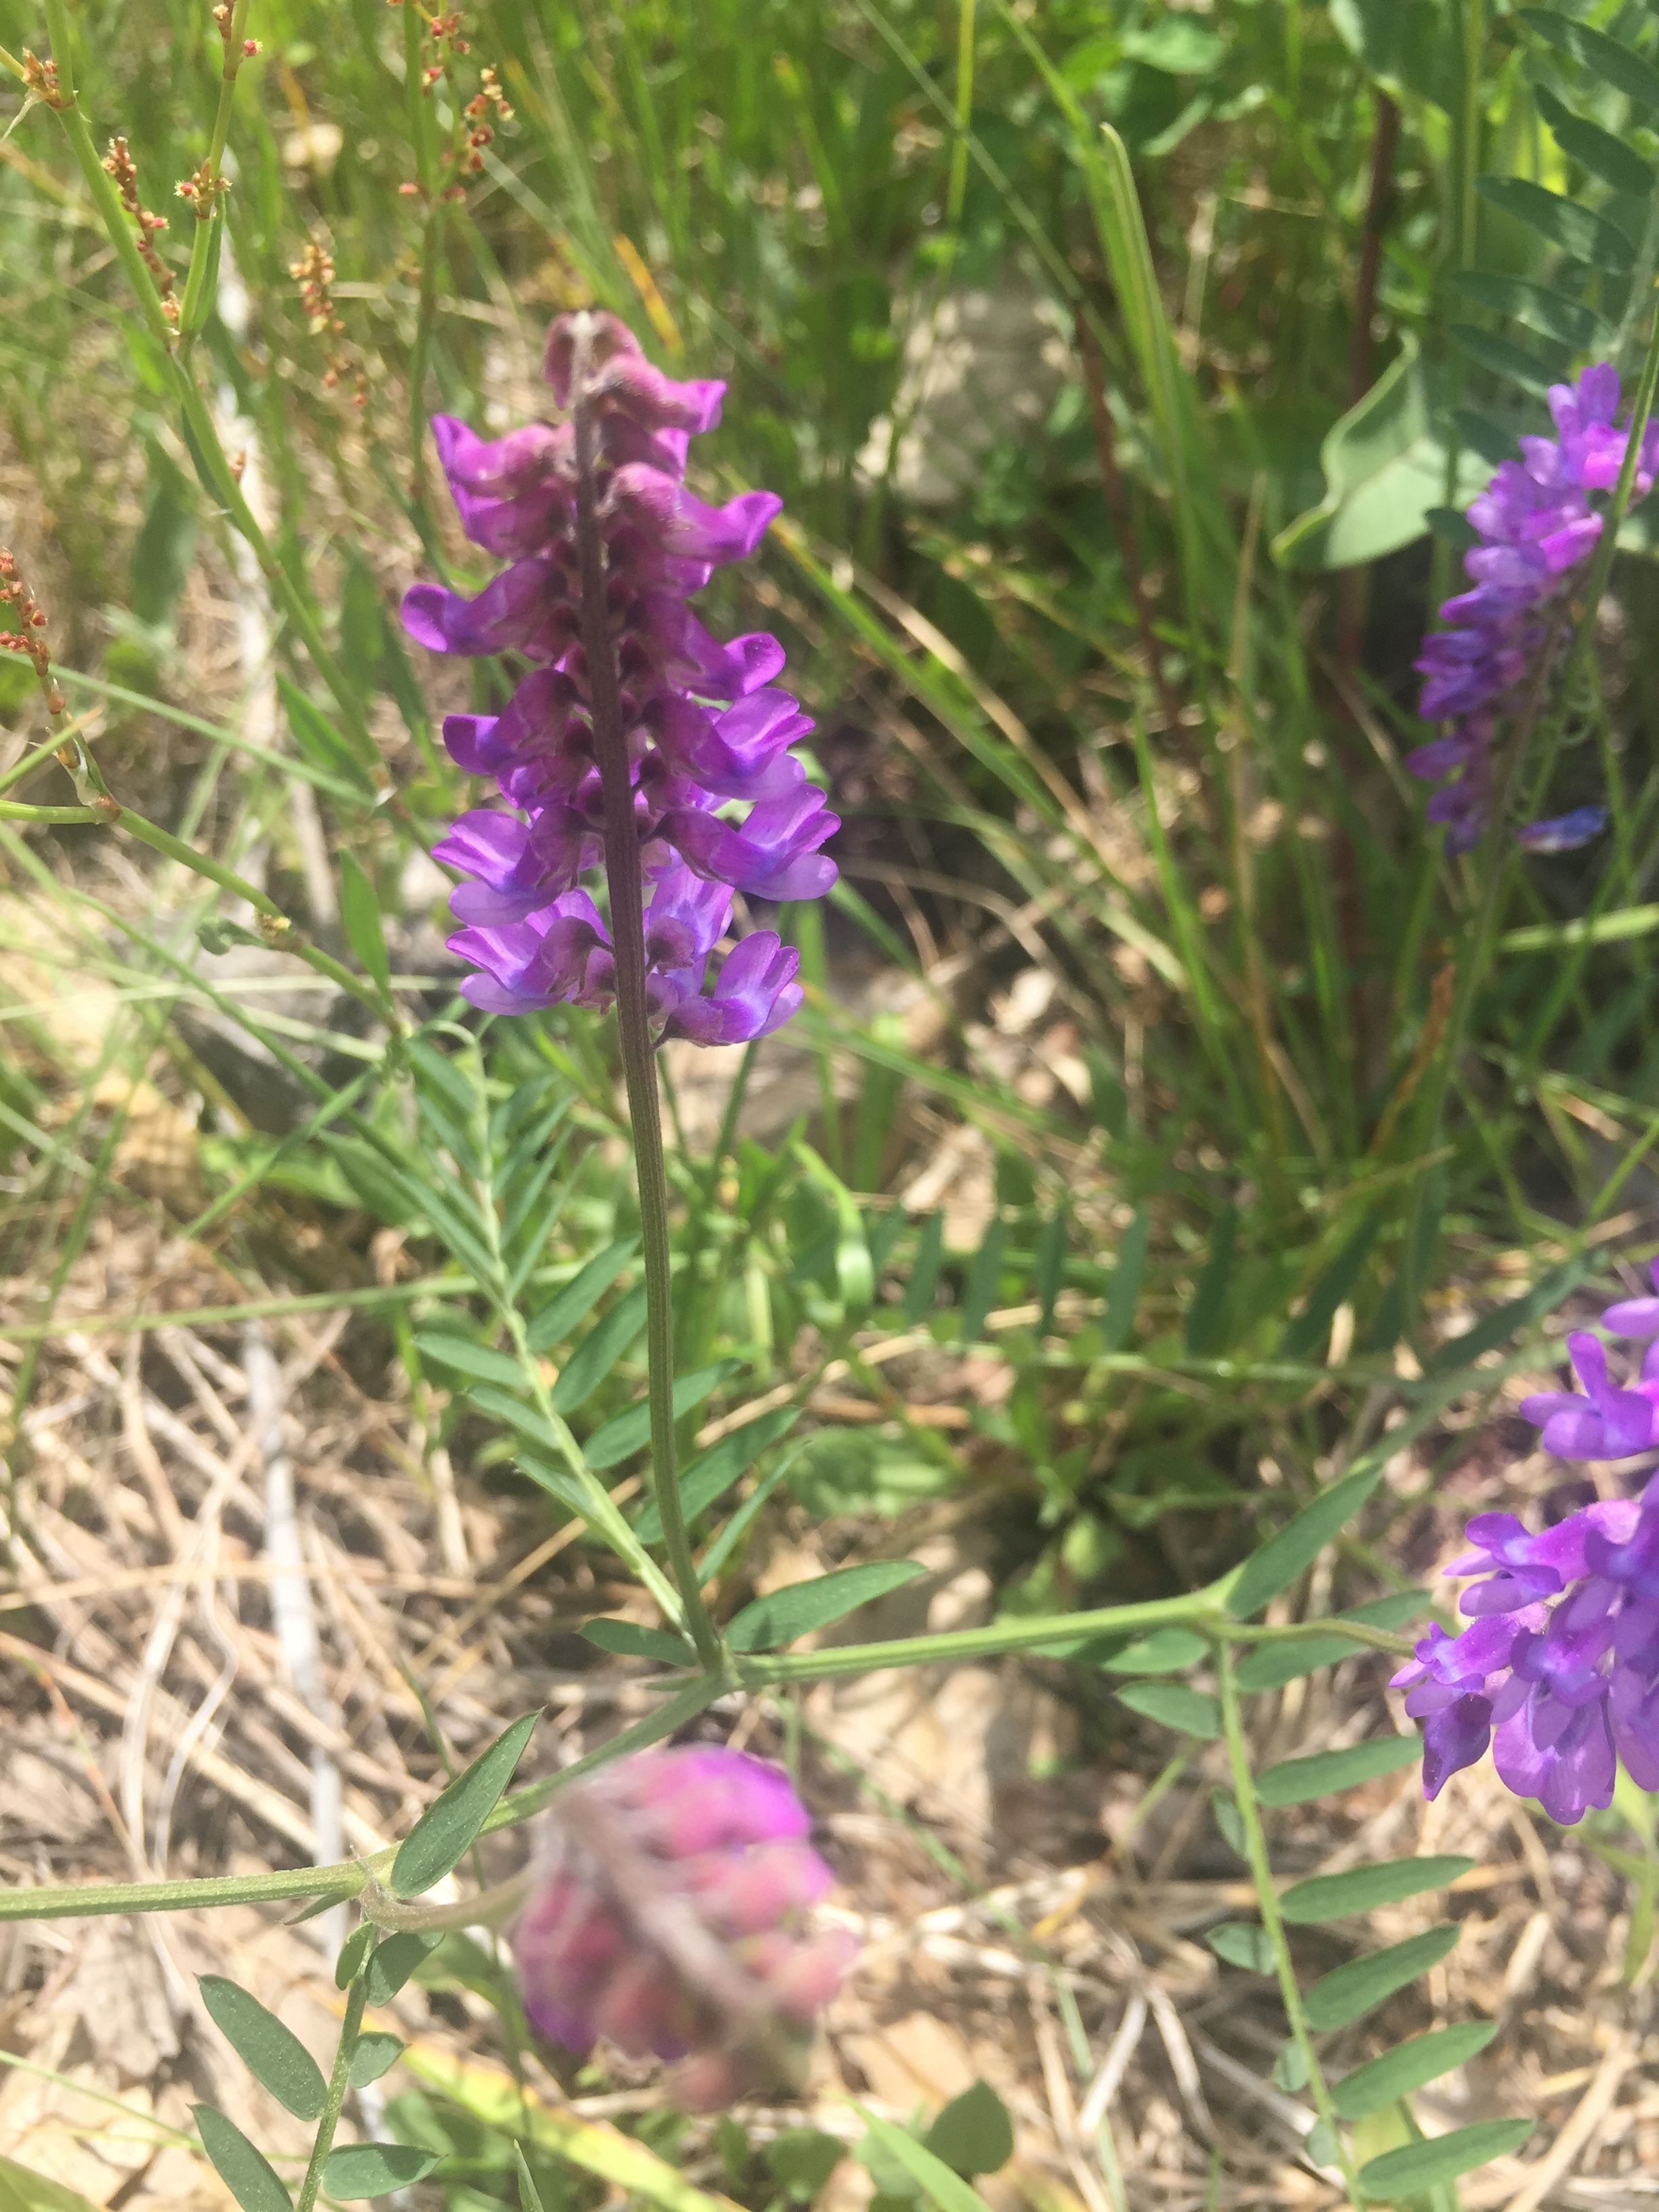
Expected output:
(1255, 1842)
(627, 900)
(339, 2082)
(190, 311)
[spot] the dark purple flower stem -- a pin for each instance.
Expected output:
(627, 899)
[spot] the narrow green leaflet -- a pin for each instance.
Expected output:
(1509, 1319)
(786, 1614)
(1407, 2067)
(1577, 230)
(1123, 1292)
(1553, 314)
(1176, 1705)
(375, 2169)
(1532, 372)
(630, 1641)
(599, 1352)
(360, 917)
(719, 1467)
(937, 2181)
(1297, 1781)
(375, 2052)
(273, 2054)
(1242, 1943)
(447, 1829)
(1270, 1666)
(246, 2173)
(1601, 154)
(924, 1274)
(20, 2190)
(1295, 1548)
(1361, 1889)
(1605, 58)
(1165, 1651)
(630, 1431)
(1349, 1992)
(1416, 2168)
(394, 1960)
(353, 1952)
(567, 1309)
(466, 1358)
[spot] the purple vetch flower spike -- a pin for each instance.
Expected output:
(671, 1915)
(719, 802)
(1537, 529)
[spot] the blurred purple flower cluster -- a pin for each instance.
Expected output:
(1537, 529)
(704, 722)
(1560, 1669)
(671, 1915)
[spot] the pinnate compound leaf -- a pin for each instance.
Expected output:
(630, 1641)
(1577, 230)
(447, 1829)
(567, 1309)
(1295, 1548)
(1196, 1712)
(246, 2173)
(1349, 1992)
(1408, 2067)
(1605, 58)
(1362, 1889)
(1417, 2168)
(1296, 1781)
(802, 1607)
(273, 2054)
(374, 2169)
(22, 2190)
(1242, 1943)
(945, 2188)
(375, 2052)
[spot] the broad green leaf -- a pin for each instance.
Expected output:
(375, 2052)
(973, 2133)
(1296, 1546)
(1173, 1704)
(1383, 468)
(1297, 1780)
(394, 1959)
(467, 1358)
(801, 2160)
(1165, 1651)
(937, 2181)
(630, 1431)
(360, 917)
(1598, 150)
(246, 2173)
(1532, 372)
(1242, 1943)
(771, 1621)
(1349, 1992)
(20, 2190)
(1407, 2067)
(1577, 230)
(447, 1829)
(1361, 1889)
(1610, 59)
(374, 2169)
(273, 2054)
(1421, 2166)
(599, 1352)
(711, 1476)
(630, 1641)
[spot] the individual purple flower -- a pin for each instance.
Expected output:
(1537, 529)
(671, 1915)
(1604, 1422)
(720, 803)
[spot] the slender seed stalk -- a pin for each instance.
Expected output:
(624, 883)
(1249, 1814)
(202, 243)
(339, 2082)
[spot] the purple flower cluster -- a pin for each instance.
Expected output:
(1537, 529)
(670, 1917)
(706, 728)
(1560, 1669)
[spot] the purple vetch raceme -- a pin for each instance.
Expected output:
(1537, 529)
(714, 800)
(1559, 1668)
(671, 1914)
